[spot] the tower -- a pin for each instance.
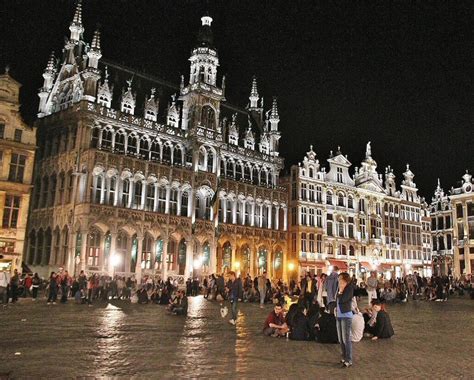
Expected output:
(91, 74)
(202, 97)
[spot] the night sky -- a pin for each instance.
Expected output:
(397, 73)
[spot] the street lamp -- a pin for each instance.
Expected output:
(291, 267)
(116, 260)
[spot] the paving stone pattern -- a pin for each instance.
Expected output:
(433, 340)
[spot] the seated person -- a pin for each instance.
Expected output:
(181, 306)
(383, 327)
(326, 331)
(290, 314)
(165, 297)
(299, 329)
(313, 315)
(370, 317)
(142, 295)
(358, 325)
(275, 323)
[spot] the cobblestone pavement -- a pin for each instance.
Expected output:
(433, 340)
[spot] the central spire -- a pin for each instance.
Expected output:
(205, 37)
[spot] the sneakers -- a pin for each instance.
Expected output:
(54, 303)
(49, 303)
(232, 322)
(346, 364)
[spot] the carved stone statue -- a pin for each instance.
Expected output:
(368, 150)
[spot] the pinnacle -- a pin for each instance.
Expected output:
(78, 14)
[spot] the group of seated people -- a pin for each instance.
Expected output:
(177, 305)
(316, 323)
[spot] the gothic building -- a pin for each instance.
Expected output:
(357, 222)
(17, 153)
(130, 187)
(452, 228)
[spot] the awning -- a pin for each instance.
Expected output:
(342, 265)
(386, 267)
(366, 265)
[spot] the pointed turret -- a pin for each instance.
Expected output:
(49, 74)
(274, 117)
(94, 54)
(254, 97)
(76, 27)
(128, 101)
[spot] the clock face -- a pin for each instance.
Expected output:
(468, 189)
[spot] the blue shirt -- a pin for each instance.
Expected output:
(343, 315)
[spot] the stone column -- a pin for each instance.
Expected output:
(178, 202)
(144, 187)
(269, 212)
(277, 218)
(155, 203)
(234, 211)
(285, 219)
(252, 214)
(260, 223)
(131, 192)
(164, 259)
(113, 241)
(82, 264)
(243, 212)
(138, 266)
(167, 203)
(102, 190)
(213, 258)
(224, 211)
(188, 269)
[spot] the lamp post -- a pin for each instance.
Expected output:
(116, 260)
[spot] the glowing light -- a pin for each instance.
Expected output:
(116, 260)
(291, 266)
(197, 263)
(237, 265)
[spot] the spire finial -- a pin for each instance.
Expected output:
(96, 40)
(78, 14)
(50, 67)
(7, 69)
(152, 91)
(275, 109)
(107, 73)
(311, 147)
(368, 150)
(206, 20)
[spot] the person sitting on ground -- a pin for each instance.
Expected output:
(142, 295)
(299, 329)
(165, 297)
(181, 306)
(275, 323)
(313, 315)
(358, 323)
(326, 330)
(383, 327)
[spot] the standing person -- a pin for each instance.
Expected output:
(372, 284)
(27, 285)
(344, 317)
(331, 284)
(322, 294)
(36, 281)
(309, 290)
(235, 293)
(64, 286)
(53, 288)
(14, 282)
(4, 282)
(262, 288)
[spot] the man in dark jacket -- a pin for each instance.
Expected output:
(326, 331)
(235, 293)
(309, 289)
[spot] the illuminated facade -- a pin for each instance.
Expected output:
(122, 188)
(358, 222)
(17, 152)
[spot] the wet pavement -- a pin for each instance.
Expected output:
(433, 340)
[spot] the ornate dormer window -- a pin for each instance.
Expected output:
(208, 117)
(127, 104)
(233, 131)
(264, 145)
(151, 107)
(104, 92)
(249, 140)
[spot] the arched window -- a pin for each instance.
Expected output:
(278, 263)
(329, 198)
(147, 248)
(340, 199)
(99, 182)
(238, 171)
(159, 254)
(162, 199)
(342, 250)
(319, 244)
(263, 177)
(52, 186)
(230, 169)
(125, 192)
(94, 140)
(155, 151)
(173, 201)
(210, 161)
(227, 257)
(182, 256)
(223, 166)
(93, 248)
(330, 249)
(229, 205)
(262, 259)
(112, 190)
(144, 148)
(311, 172)
(132, 143)
(121, 251)
(106, 139)
(31, 247)
(208, 117)
(150, 197)
(351, 250)
(177, 156)
(119, 145)
(255, 176)
(137, 194)
(184, 203)
(167, 153)
(247, 171)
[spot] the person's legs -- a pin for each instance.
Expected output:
(14, 291)
(3, 294)
(346, 325)
(262, 296)
(268, 331)
(234, 310)
(339, 337)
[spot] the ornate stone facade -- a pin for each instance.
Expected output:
(358, 222)
(17, 152)
(121, 192)
(452, 228)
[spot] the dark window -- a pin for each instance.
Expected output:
(18, 133)
(2, 130)
(11, 210)
(17, 168)
(459, 210)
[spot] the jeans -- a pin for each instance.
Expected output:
(4, 294)
(262, 296)
(53, 294)
(344, 335)
(234, 309)
(14, 292)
